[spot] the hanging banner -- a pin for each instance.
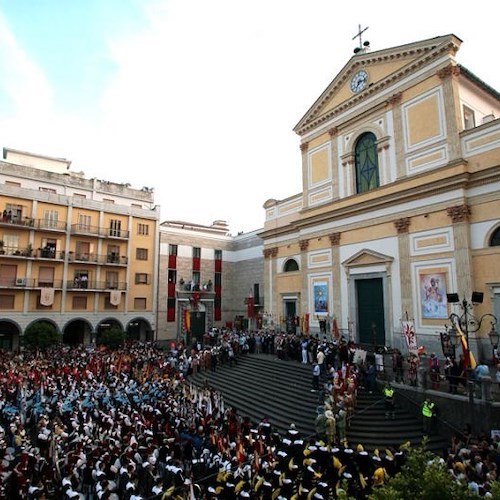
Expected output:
(250, 307)
(115, 297)
(408, 330)
(47, 296)
(320, 294)
(335, 328)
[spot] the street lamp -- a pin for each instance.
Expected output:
(494, 338)
(467, 322)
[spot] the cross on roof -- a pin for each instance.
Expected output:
(358, 34)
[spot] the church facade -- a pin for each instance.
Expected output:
(400, 204)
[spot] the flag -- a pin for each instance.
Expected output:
(187, 319)
(410, 336)
(250, 307)
(46, 296)
(240, 452)
(335, 328)
(115, 297)
(468, 356)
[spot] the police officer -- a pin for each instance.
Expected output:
(428, 414)
(389, 401)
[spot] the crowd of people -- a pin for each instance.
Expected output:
(94, 423)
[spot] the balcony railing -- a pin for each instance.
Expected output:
(29, 223)
(79, 284)
(93, 258)
(29, 283)
(16, 251)
(99, 231)
(51, 253)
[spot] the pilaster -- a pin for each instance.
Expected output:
(459, 216)
(304, 147)
(334, 162)
(451, 109)
(394, 102)
(336, 297)
(402, 226)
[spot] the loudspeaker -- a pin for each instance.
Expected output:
(477, 297)
(452, 298)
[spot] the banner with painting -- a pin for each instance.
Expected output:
(433, 295)
(408, 330)
(320, 294)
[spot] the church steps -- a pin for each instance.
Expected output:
(262, 385)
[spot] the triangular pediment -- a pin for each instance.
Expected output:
(367, 257)
(383, 68)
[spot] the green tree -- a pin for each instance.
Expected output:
(41, 335)
(112, 337)
(423, 476)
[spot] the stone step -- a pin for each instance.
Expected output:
(261, 386)
(370, 427)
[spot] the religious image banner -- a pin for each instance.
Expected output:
(320, 294)
(410, 336)
(433, 296)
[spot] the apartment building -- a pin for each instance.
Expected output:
(78, 253)
(207, 279)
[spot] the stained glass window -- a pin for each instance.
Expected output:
(366, 163)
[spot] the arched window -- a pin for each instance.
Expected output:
(495, 238)
(366, 160)
(291, 265)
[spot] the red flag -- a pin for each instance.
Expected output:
(335, 328)
(250, 307)
(240, 452)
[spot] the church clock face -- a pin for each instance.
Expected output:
(359, 81)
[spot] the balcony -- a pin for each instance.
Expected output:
(84, 229)
(93, 258)
(29, 283)
(29, 223)
(16, 251)
(79, 285)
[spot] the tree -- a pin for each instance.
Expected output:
(423, 476)
(112, 337)
(41, 335)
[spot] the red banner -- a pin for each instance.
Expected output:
(250, 307)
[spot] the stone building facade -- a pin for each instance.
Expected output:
(400, 204)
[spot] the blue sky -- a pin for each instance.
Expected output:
(196, 98)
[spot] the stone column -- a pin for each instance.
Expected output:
(304, 296)
(337, 299)
(394, 103)
(333, 158)
(305, 175)
(402, 226)
(348, 173)
(459, 216)
(451, 109)
(270, 280)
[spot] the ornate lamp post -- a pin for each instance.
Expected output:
(494, 339)
(467, 322)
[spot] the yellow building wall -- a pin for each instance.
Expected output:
(289, 282)
(319, 166)
(423, 120)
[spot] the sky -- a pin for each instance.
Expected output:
(198, 98)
